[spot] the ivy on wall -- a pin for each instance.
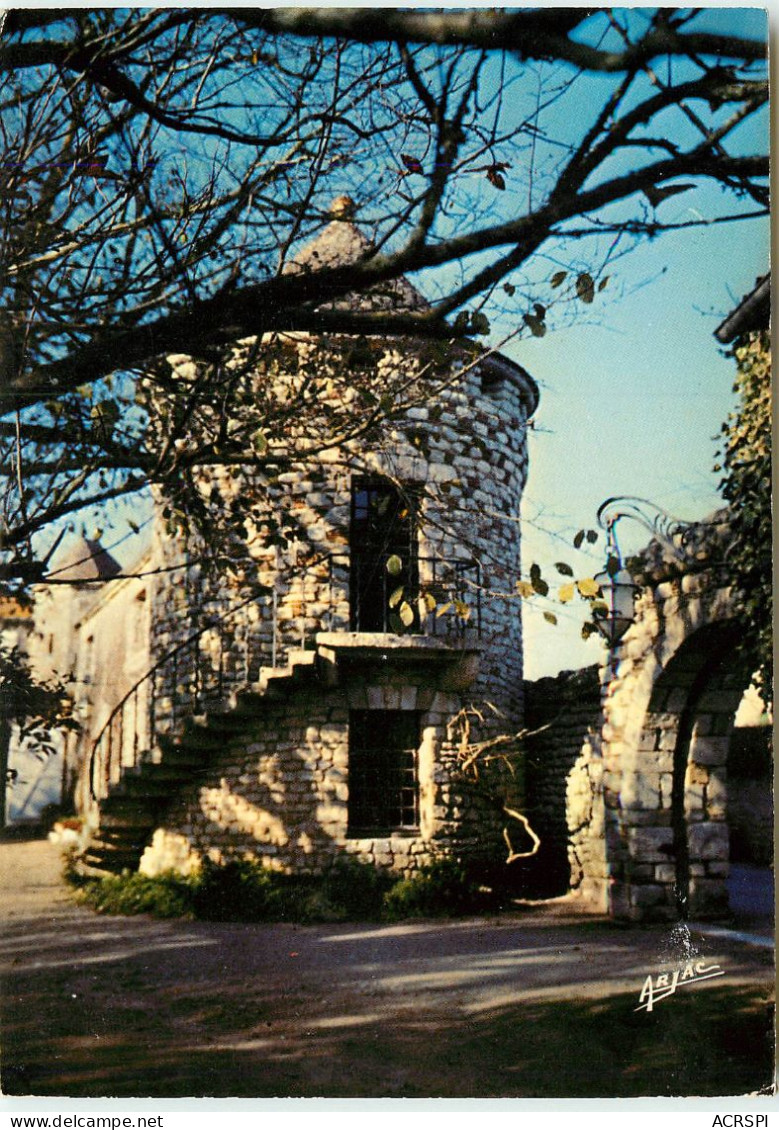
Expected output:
(745, 460)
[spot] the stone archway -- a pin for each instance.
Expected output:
(647, 798)
(669, 812)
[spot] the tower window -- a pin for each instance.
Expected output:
(382, 526)
(383, 779)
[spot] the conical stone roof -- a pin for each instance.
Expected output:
(85, 561)
(342, 243)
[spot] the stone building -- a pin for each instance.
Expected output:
(300, 705)
(94, 637)
(27, 780)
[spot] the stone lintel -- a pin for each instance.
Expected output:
(457, 663)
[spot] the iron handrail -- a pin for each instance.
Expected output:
(434, 565)
(414, 589)
(149, 675)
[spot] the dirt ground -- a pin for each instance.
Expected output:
(539, 1003)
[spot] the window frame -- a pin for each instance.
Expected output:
(379, 771)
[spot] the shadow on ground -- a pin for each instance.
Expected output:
(537, 1005)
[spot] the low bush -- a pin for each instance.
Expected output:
(355, 890)
(240, 891)
(441, 888)
(244, 891)
(164, 896)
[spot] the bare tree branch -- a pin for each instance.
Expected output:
(162, 170)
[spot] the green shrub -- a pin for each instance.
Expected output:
(441, 888)
(244, 891)
(164, 896)
(354, 890)
(238, 891)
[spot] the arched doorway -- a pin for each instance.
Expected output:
(668, 714)
(666, 793)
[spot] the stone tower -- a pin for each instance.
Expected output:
(371, 597)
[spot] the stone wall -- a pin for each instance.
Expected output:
(668, 715)
(279, 791)
(565, 709)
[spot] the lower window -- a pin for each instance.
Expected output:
(383, 780)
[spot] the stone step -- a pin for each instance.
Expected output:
(229, 721)
(176, 768)
(128, 814)
(282, 682)
(123, 854)
(99, 865)
(174, 772)
(192, 744)
(125, 851)
(144, 790)
(302, 662)
(134, 839)
(111, 818)
(93, 870)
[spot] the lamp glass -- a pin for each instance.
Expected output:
(619, 594)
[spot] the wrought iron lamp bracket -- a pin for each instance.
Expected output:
(680, 538)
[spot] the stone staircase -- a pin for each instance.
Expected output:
(136, 803)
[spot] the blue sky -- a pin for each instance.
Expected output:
(633, 405)
(634, 393)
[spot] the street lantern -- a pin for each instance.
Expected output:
(614, 613)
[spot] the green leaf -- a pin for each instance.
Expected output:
(588, 629)
(550, 617)
(461, 322)
(406, 613)
(509, 288)
(462, 610)
(480, 324)
(394, 565)
(577, 541)
(603, 283)
(535, 572)
(558, 278)
(260, 441)
(585, 287)
(396, 597)
(561, 567)
(535, 325)
(592, 536)
(540, 586)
